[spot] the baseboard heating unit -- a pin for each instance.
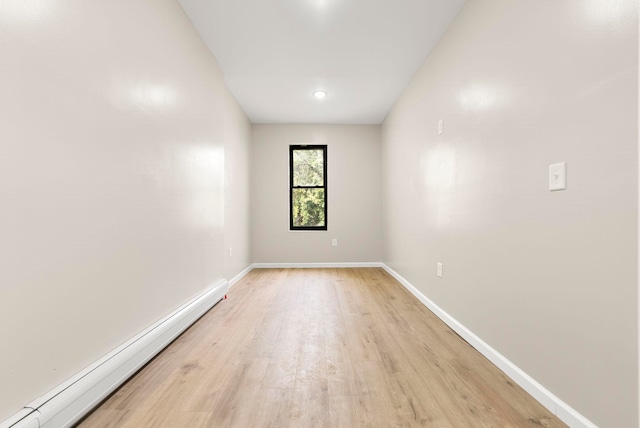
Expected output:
(69, 402)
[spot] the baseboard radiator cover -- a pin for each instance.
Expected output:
(545, 397)
(69, 402)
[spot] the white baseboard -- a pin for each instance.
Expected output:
(558, 407)
(69, 402)
(239, 276)
(316, 265)
(66, 404)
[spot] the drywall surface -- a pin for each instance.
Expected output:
(112, 183)
(353, 190)
(549, 279)
(237, 205)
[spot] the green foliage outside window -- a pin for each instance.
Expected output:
(308, 207)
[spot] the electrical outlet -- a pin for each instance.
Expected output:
(440, 269)
(334, 242)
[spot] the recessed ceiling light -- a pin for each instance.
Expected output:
(319, 94)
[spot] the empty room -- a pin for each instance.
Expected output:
(319, 213)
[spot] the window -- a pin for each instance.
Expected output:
(308, 187)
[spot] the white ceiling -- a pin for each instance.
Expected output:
(276, 53)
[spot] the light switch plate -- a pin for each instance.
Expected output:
(558, 176)
(440, 126)
(439, 272)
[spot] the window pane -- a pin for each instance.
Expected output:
(308, 168)
(308, 207)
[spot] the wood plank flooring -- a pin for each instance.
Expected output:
(320, 348)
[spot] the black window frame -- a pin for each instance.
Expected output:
(292, 149)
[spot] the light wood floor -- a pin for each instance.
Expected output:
(320, 348)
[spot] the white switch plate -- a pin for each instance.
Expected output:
(558, 176)
(440, 270)
(440, 126)
(230, 252)
(334, 242)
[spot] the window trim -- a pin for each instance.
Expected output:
(292, 149)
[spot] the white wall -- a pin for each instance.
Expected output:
(237, 221)
(113, 120)
(354, 197)
(549, 279)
